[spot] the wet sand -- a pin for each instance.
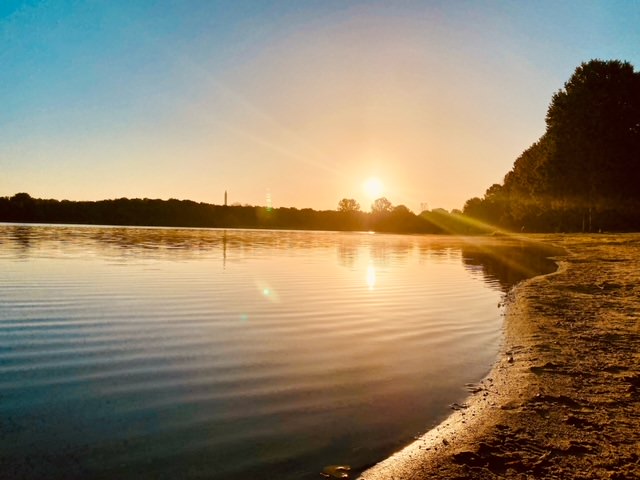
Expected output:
(563, 400)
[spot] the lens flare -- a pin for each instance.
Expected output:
(268, 292)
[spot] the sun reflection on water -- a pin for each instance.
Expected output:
(371, 276)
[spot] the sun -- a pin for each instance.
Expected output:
(373, 187)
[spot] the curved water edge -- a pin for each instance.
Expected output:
(464, 425)
(160, 342)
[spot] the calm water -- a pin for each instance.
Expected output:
(161, 353)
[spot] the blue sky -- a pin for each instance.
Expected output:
(303, 100)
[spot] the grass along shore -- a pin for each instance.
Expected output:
(563, 399)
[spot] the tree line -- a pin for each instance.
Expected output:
(384, 217)
(583, 174)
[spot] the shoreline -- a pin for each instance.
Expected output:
(563, 398)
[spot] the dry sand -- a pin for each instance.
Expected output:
(563, 400)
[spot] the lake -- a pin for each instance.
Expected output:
(137, 353)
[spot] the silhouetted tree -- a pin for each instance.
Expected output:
(348, 205)
(584, 172)
(381, 205)
(595, 124)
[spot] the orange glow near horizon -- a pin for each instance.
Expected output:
(373, 188)
(430, 98)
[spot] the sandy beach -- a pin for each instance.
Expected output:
(563, 399)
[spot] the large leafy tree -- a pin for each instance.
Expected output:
(595, 125)
(348, 205)
(381, 205)
(585, 170)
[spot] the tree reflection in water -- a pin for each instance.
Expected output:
(506, 265)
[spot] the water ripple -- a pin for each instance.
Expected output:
(147, 353)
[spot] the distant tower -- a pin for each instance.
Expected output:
(225, 198)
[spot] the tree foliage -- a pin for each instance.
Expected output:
(584, 172)
(22, 208)
(348, 205)
(381, 205)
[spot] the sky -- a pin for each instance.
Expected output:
(293, 102)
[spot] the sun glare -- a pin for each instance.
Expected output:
(373, 188)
